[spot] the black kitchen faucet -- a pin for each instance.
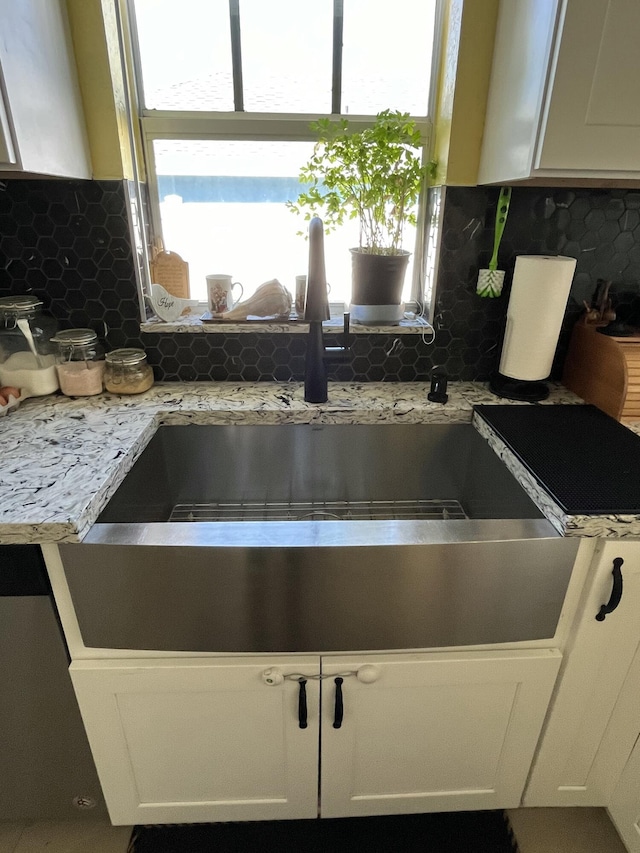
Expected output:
(316, 309)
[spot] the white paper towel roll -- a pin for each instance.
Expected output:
(539, 293)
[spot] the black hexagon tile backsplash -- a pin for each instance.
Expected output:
(69, 243)
(598, 227)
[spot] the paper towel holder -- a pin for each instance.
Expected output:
(537, 303)
(523, 390)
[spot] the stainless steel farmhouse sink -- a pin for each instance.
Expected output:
(308, 472)
(288, 537)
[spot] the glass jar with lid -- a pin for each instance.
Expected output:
(27, 361)
(79, 362)
(127, 371)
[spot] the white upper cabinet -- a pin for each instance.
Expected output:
(564, 99)
(42, 128)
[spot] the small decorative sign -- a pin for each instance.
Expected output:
(169, 270)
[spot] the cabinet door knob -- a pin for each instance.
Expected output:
(616, 592)
(368, 673)
(272, 676)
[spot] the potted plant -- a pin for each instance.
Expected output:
(375, 175)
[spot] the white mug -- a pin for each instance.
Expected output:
(301, 294)
(220, 293)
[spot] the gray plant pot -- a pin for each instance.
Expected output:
(377, 279)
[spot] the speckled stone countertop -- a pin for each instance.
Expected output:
(62, 459)
(192, 324)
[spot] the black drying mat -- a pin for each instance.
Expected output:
(454, 832)
(587, 461)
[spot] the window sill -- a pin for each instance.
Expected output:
(192, 324)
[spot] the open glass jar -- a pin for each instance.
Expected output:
(27, 361)
(127, 372)
(79, 362)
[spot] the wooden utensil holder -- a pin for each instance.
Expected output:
(604, 370)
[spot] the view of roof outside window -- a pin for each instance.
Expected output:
(222, 200)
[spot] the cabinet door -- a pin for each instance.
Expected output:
(564, 98)
(43, 116)
(431, 732)
(622, 737)
(7, 152)
(571, 769)
(592, 115)
(624, 807)
(188, 740)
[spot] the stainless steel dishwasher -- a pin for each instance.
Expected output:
(312, 538)
(47, 768)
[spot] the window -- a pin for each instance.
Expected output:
(227, 90)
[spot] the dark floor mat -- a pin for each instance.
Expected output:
(587, 461)
(452, 832)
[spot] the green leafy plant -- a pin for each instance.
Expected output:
(374, 174)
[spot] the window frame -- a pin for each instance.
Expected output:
(240, 125)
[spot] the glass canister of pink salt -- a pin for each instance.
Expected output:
(79, 362)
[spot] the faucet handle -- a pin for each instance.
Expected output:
(345, 333)
(340, 353)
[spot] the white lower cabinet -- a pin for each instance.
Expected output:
(187, 740)
(624, 806)
(588, 735)
(623, 736)
(433, 732)
(624, 732)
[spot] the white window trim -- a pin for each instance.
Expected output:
(285, 127)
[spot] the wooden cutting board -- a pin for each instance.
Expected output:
(172, 272)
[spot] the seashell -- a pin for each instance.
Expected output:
(271, 299)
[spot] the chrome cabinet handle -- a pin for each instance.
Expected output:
(616, 592)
